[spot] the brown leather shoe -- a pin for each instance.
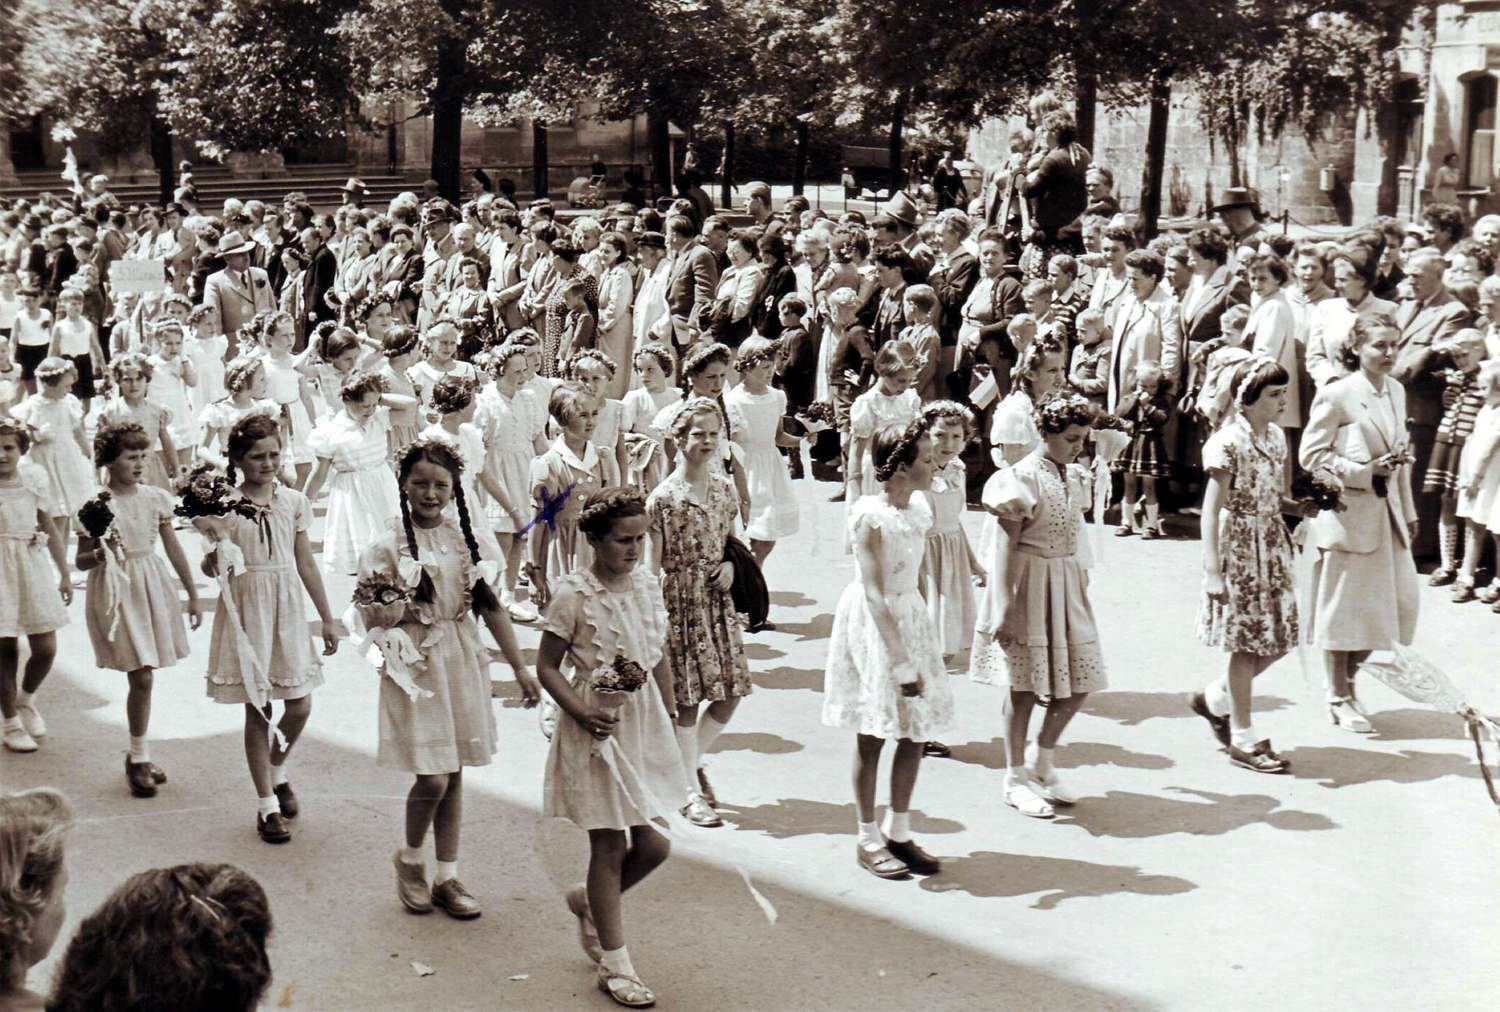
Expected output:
(138, 776)
(411, 886)
(158, 774)
(914, 857)
(452, 897)
(272, 828)
(288, 800)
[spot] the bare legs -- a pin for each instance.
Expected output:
(615, 866)
(761, 550)
(138, 702)
(38, 665)
(260, 755)
(904, 769)
(436, 801)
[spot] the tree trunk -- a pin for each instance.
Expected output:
(161, 154)
(898, 120)
(657, 131)
(1156, 155)
(726, 186)
(799, 167)
(539, 158)
(1086, 78)
(448, 120)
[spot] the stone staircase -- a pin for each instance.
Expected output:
(320, 181)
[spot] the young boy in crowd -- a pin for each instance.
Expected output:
(921, 306)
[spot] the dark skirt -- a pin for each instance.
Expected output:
(1146, 457)
(28, 357)
(1442, 469)
(83, 387)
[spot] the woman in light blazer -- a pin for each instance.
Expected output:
(734, 299)
(616, 294)
(1363, 593)
(1272, 330)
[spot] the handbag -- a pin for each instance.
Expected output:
(748, 591)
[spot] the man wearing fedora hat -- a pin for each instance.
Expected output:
(354, 192)
(897, 223)
(235, 294)
(438, 217)
(1241, 213)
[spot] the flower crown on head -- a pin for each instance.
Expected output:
(896, 455)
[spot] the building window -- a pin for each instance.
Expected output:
(1480, 133)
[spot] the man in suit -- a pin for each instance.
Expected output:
(1147, 327)
(1427, 322)
(439, 250)
(177, 246)
(891, 265)
(317, 281)
(691, 282)
(267, 254)
(897, 223)
(235, 294)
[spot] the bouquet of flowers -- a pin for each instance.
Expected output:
(611, 684)
(97, 518)
(818, 416)
(382, 599)
(1321, 488)
(206, 495)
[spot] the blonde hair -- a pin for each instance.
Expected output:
(894, 356)
(33, 825)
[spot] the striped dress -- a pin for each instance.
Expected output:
(1462, 399)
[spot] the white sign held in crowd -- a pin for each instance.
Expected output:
(138, 275)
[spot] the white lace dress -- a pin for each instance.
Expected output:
(861, 687)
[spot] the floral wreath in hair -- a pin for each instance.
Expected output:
(320, 332)
(453, 393)
(752, 356)
(952, 411)
(159, 328)
(695, 359)
(130, 360)
(896, 455)
(427, 445)
(11, 426)
(406, 348)
(53, 367)
(689, 407)
(657, 351)
(238, 372)
(1059, 411)
(370, 303)
(1042, 345)
(570, 368)
(196, 313)
(499, 356)
(105, 437)
(1243, 374)
(607, 500)
(360, 383)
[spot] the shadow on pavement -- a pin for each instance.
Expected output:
(790, 599)
(791, 817)
(1132, 816)
(1411, 724)
(761, 652)
(1132, 708)
(758, 741)
(817, 628)
(1337, 766)
(1055, 879)
(1070, 755)
(788, 678)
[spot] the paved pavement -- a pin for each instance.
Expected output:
(1367, 879)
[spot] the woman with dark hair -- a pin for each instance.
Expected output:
(1058, 183)
(565, 265)
(541, 276)
(1272, 330)
(1364, 592)
(616, 327)
(33, 825)
(985, 317)
(734, 299)
(191, 937)
(1446, 223)
(295, 262)
(779, 280)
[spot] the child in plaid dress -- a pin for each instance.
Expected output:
(1147, 410)
(1462, 399)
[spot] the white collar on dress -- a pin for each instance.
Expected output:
(590, 461)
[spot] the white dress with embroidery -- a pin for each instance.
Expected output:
(1048, 642)
(362, 494)
(861, 687)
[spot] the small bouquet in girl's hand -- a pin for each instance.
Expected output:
(612, 682)
(207, 493)
(98, 518)
(376, 610)
(98, 521)
(381, 599)
(818, 416)
(1319, 488)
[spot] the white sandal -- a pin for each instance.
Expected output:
(627, 991)
(1051, 788)
(1023, 798)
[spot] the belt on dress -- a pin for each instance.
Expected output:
(1028, 550)
(138, 553)
(263, 569)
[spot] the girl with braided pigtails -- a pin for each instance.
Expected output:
(435, 736)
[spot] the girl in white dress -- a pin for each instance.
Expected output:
(435, 736)
(245, 379)
(612, 770)
(1479, 481)
(593, 370)
(949, 566)
(260, 631)
(645, 448)
(1036, 633)
(207, 349)
(362, 498)
(172, 376)
(453, 401)
(290, 390)
(891, 401)
(131, 375)
(57, 443)
(773, 501)
(535, 394)
(30, 606)
(885, 676)
(401, 347)
(334, 356)
(509, 453)
(440, 343)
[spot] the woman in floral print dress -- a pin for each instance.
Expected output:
(692, 515)
(1249, 605)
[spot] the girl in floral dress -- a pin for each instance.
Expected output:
(1249, 604)
(130, 374)
(30, 606)
(706, 368)
(773, 501)
(885, 676)
(611, 770)
(362, 498)
(262, 624)
(645, 450)
(1036, 634)
(508, 456)
(137, 628)
(436, 736)
(692, 515)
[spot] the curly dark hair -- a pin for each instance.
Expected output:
(1210, 244)
(434, 451)
(17, 429)
(1272, 263)
(188, 937)
(1445, 217)
(453, 393)
(1058, 412)
(1147, 263)
(892, 255)
(33, 826)
(244, 434)
(361, 383)
(602, 508)
(1359, 333)
(1479, 251)
(895, 445)
(112, 440)
(330, 340)
(951, 411)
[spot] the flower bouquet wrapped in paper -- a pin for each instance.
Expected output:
(206, 496)
(1321, 488)
(381, 599)
(376, 610)
(97, 516)
(818, 416)
(98, 520)
(613, 683)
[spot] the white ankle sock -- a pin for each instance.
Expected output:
(278, 774)
(617, 961)
(869, 836)
(13, 723)
(1044, 757)
(140, 749)
(24, 698)
(1216, 695)
(1244, 738)
(897, 825)
(266, 806)
(687, 741)
(1015, 775)
(412, 855)
(708, 733)
(444, 870)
